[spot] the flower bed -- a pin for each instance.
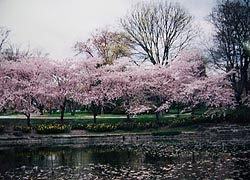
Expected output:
(53, 129)
(104, 127)
(124, 126)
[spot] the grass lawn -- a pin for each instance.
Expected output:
(80, 118)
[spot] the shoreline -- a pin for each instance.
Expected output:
(215, 135)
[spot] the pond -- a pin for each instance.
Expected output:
(145, 161)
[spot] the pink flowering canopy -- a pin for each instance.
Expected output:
(141, 88)
(22, 85)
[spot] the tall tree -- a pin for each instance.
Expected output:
(231, 19)
(159, 30)
(105, 44)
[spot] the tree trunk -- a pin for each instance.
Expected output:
(178, 108)
(128, 117)
(95, 110)
(50, 110)
(62, 107)
(28, 119)
(102, 110)
(157, 115)
(192, 111)
(41, 107)
(62, 113)
(95, 114)
(73, 111)
(72, 107)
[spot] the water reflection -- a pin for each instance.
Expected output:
(49, 157)
(123, 162)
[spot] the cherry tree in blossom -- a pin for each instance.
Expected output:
(98, 84)
(183, 80)
(145, 91)
(61, 85)
(196, 87)
(22, 84)
(155, 88)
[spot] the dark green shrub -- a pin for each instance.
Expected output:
(118, 110)
(79, 126)
(2, 128)
(160, 124)
(239, 115)
(126, 126)
(178, 122)
(166, 133)
(23, 129)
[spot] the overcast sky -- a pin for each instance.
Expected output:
(55, 25)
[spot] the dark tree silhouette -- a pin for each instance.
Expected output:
(160, 30)
(231, 19)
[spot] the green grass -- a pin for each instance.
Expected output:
(86, 118)
(9, 113)
(173, 111)
(113, 115)
(77, 114)
(89, 115)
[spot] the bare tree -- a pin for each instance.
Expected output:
(105, 44)
(4, 36)
(160, 30)
(231, 19)
(13, 52)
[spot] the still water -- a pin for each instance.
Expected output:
(152, 161)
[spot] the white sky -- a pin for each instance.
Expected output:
(55, 25)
